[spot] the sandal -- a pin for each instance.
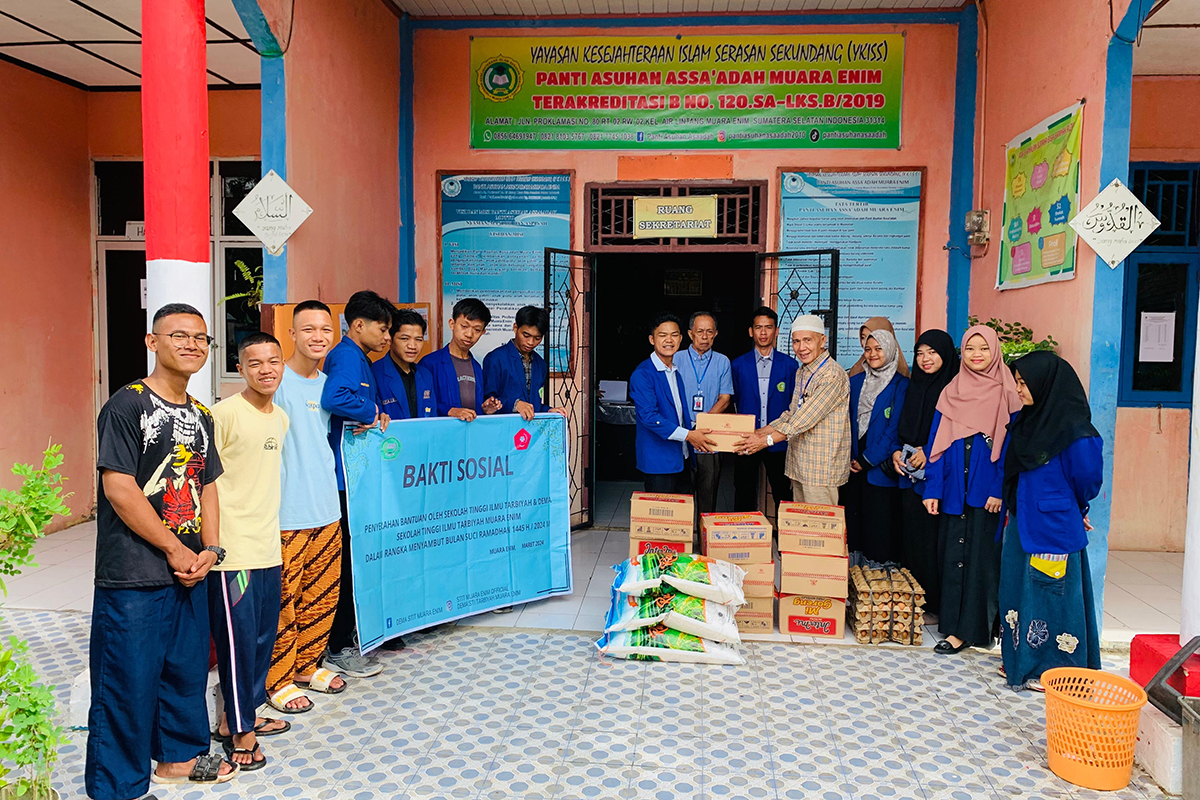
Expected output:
(322, 682)
(1034, 685)
(259, 730)
(279, 701)
(207, 769)
(255, 763)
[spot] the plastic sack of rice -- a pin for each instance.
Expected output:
(695, 575)
(660, 643)
(672, 608)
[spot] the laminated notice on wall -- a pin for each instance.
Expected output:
(1156, 344)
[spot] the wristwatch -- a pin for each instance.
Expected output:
(770, 440)
(218, 551)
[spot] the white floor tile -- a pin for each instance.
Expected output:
(490, 620)
(533, 619)
(565, 604)
(23, 587)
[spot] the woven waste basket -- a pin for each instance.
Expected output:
(1091, 726)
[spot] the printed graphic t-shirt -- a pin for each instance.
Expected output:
(169, 450)
(250, 443)
(309, 494)
(464, 368)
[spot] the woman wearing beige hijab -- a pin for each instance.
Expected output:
(871, 325)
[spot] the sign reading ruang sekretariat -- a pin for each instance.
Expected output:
(686, 92)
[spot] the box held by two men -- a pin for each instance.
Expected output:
(811, 528)
(807, 615)
(676, 509)
(640, 547)
(759, 580)
(757, 616)
(726, 429)
(737, 538)
(814, 575)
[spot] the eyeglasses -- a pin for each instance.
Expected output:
(180, 339)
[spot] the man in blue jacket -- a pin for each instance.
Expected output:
(514, 373)
(664, 436)
(763, 382)
(349, 395)
(456, 376)
(405, 392)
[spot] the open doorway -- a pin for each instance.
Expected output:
(631, 288)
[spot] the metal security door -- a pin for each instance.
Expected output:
(799, 282)
(570, 352)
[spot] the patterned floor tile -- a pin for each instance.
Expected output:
(664, 783)
(615, 748)
(593, 782)
(656, 751)
(751, 784)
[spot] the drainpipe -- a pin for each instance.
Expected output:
(175, 147)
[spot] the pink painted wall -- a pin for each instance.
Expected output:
(1037, 58)
(1166, 119)
(1150, 478)
(114, 124)
(46, 392)
(441, 129)
(343, 111)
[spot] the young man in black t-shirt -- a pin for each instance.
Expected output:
(156, 541)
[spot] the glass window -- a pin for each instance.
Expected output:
(237, 179)
(1161, 292)
(243, 276)
(118, 196)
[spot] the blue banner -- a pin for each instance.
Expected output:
(452, 518)
(874, 220)
(495, 231)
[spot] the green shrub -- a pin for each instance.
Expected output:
(1016, 339)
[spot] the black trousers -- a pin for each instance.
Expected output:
(342, 632)
(670, 483)
(920, 548)
(745, 479)
(706, 479)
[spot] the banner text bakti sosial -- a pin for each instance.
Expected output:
(686, 92)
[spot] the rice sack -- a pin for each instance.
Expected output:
(672, 608)
(695, 575)
(660, 643)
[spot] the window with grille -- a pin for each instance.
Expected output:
(741, 225)
(1170, 191)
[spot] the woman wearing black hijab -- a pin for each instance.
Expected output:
(936, 364)
(1053, 469)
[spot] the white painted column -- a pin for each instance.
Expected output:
(1189, 625)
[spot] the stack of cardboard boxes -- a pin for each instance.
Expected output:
(660, 523)
(745, 540)
(813, 570)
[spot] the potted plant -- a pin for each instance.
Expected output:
(1016, 339)
(29, 736)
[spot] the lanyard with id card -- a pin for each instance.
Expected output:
(698, 397)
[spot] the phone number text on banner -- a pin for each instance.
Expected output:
(450, 518)
(686, 92)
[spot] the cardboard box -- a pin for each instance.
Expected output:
(811, 528)
(757, 616)
(807, 615)
(759, 580)
(661, 531)
(726, 429)
(639, 546)
(737, 538)
(662, 507)
(818, 576)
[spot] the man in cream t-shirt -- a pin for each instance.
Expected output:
(243, 590)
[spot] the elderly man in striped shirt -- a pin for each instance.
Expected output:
(816, 424)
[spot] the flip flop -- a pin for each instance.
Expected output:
(260, 730)
(322, 682)
(254, 765)
(207, 769)
(279, 701)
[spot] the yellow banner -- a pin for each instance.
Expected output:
(692, 217)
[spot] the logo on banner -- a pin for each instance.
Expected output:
(500, 78)
(522, 439)
(390, 448)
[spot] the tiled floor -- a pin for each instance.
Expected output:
(501, 715)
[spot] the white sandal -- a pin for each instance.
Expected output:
(279, 701)
(322, 681)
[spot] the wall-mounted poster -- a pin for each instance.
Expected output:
(1041, 195)
(874, 220)
(495, 231)
(684, 92)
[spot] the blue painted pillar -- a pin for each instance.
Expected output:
(407, 291)
(1108, 296)
(962, 175)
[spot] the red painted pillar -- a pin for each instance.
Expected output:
(175, 147)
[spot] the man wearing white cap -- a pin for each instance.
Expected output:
(816, 424)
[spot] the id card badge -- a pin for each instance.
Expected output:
(698, 401)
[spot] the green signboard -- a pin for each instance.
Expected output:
(686, 92)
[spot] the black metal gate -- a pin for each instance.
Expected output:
(799, 282)
(569, 350)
